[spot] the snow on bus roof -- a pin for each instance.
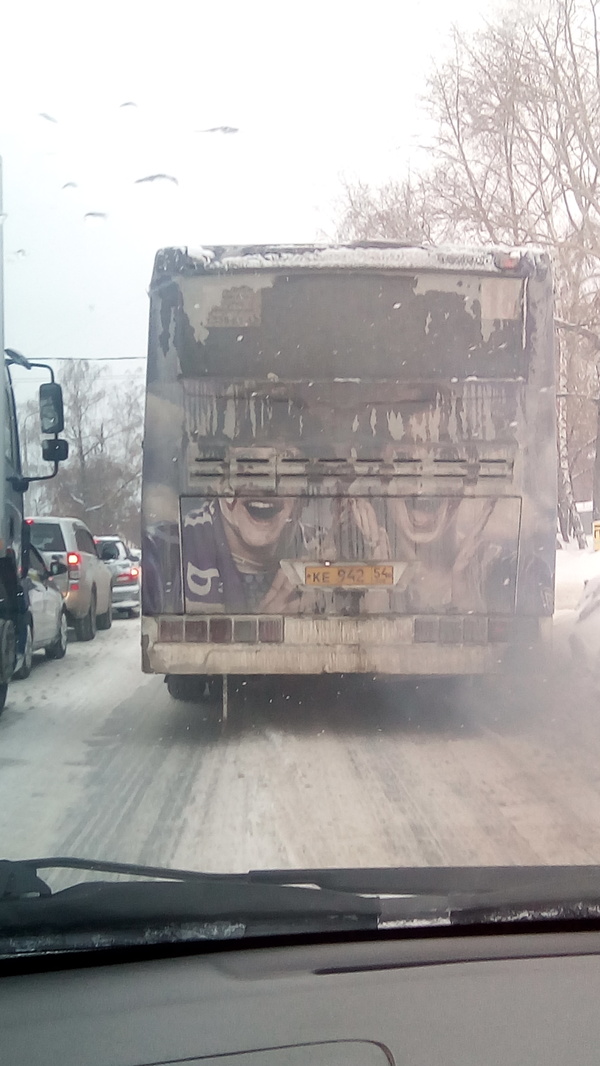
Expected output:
(373, 255)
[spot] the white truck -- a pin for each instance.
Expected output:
(14, 543)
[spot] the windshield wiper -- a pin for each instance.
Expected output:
(19, 879)
(171, 906)
(167, 906)
(467, 895)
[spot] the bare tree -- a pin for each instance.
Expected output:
(394, 211)
(515, 158)
(101, 481)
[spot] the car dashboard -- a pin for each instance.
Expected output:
(494, 1000)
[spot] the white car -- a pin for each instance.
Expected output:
(87, 586)
(46, 617)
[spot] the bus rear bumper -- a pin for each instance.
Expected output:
(332, 646)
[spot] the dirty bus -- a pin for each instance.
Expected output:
(349, 461)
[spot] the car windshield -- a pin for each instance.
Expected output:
(47, 536)
(111, 549)
(301, 317)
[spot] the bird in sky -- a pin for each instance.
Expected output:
(128, 103)
(48, 118)
(93, 215)
(156, 177)
(220, 129)
(70, 185)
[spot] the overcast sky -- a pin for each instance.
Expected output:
(317, 91)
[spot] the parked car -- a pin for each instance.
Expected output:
(87, 586)
(47, 619)
(126, 574)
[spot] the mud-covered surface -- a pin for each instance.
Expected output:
(351, 417)
(96, 760)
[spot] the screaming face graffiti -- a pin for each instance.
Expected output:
(254, 527)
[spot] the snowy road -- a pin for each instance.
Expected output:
(96, 760)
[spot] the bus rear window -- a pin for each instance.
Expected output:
(47, 537)
(348, 325)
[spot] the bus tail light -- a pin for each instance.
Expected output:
(499, 630)
(196, 630)
(270, 630)
(475, 629)
(170, 630)
(464, 629)
(220, 630)
(245, 630)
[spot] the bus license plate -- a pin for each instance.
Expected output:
(355, 576)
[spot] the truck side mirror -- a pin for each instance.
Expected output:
(55, 451)
(25, 548)
(52, 415)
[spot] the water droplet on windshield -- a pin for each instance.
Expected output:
(93, 218)
(220, 129)
(156, 177)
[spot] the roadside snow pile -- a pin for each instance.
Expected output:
(584, 638)
(574, 566)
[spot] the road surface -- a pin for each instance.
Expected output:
(96, 760)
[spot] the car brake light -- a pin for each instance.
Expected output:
(73, 559)
(29, 521)
(127, 577)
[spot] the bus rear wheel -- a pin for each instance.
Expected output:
(194, 688)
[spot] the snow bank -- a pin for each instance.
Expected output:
(574, 566)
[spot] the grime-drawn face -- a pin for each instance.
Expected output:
(422, 519)
(255, 526)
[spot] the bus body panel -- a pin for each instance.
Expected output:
(348, 448)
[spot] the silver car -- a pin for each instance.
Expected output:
(126, 574)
